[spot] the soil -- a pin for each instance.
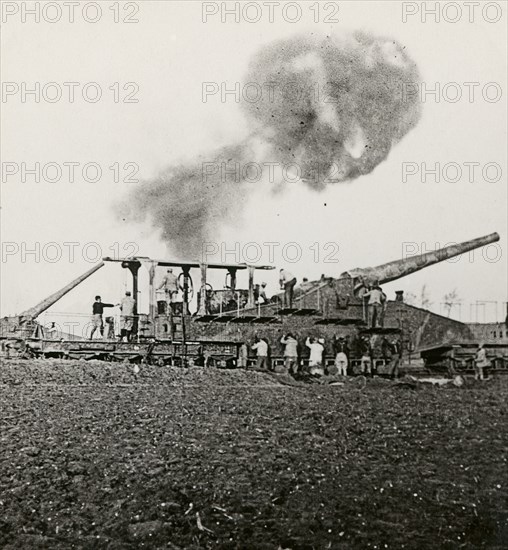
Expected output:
(95, 456)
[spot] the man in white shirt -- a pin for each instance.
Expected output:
(260, 296)
(290, 353)
(341, 359)
(316, 355)
(287, 283)
(376, 301)
(127, 306)
(261, 348)
(481, 361)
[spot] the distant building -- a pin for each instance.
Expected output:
(489, 332)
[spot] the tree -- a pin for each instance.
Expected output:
(451, 299)
(421, 300)
(425, 298)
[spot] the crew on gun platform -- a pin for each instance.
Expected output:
(376, 304)
(287, 284)
(170, 286)
(97, 311)
(127, 319)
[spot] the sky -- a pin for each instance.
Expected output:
(163, 61)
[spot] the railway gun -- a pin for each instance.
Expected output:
(228, 319)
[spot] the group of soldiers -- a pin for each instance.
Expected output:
(391, 352)
(166, 293)
(374, 300)
(373, 297)
(168, 290)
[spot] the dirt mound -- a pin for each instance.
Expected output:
(56, 371)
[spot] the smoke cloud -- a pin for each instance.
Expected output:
(332, 107)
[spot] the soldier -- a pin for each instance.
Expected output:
(396, 358)
(391, 354)
(376, 300)
(305, 285)
(366, 355)
(287, 284)
(170, 285)
(316, 355)
(97, 311)
(481, 361)
(341, 355)
(127, 319)
(52, 331)
(290, 353)
(261, 348)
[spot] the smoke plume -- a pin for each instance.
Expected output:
(332, 107)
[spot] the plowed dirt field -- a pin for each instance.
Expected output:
(94, 455)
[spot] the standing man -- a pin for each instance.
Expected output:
(396, 358)
(170, 285)
(341, 356)
(97, 311)
(287, 284)
(127, 318)
(261, 348)
(52, 331)
(376, 299)
(316, 355)
(481, 362)
(366, 355)
(290, 353)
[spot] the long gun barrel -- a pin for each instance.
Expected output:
(400, 268)
(33, 312)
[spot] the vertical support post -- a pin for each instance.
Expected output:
(232, 273)
(186, 290)
(203, 305)
(134, 268)
(151, 295)
(250, 302)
